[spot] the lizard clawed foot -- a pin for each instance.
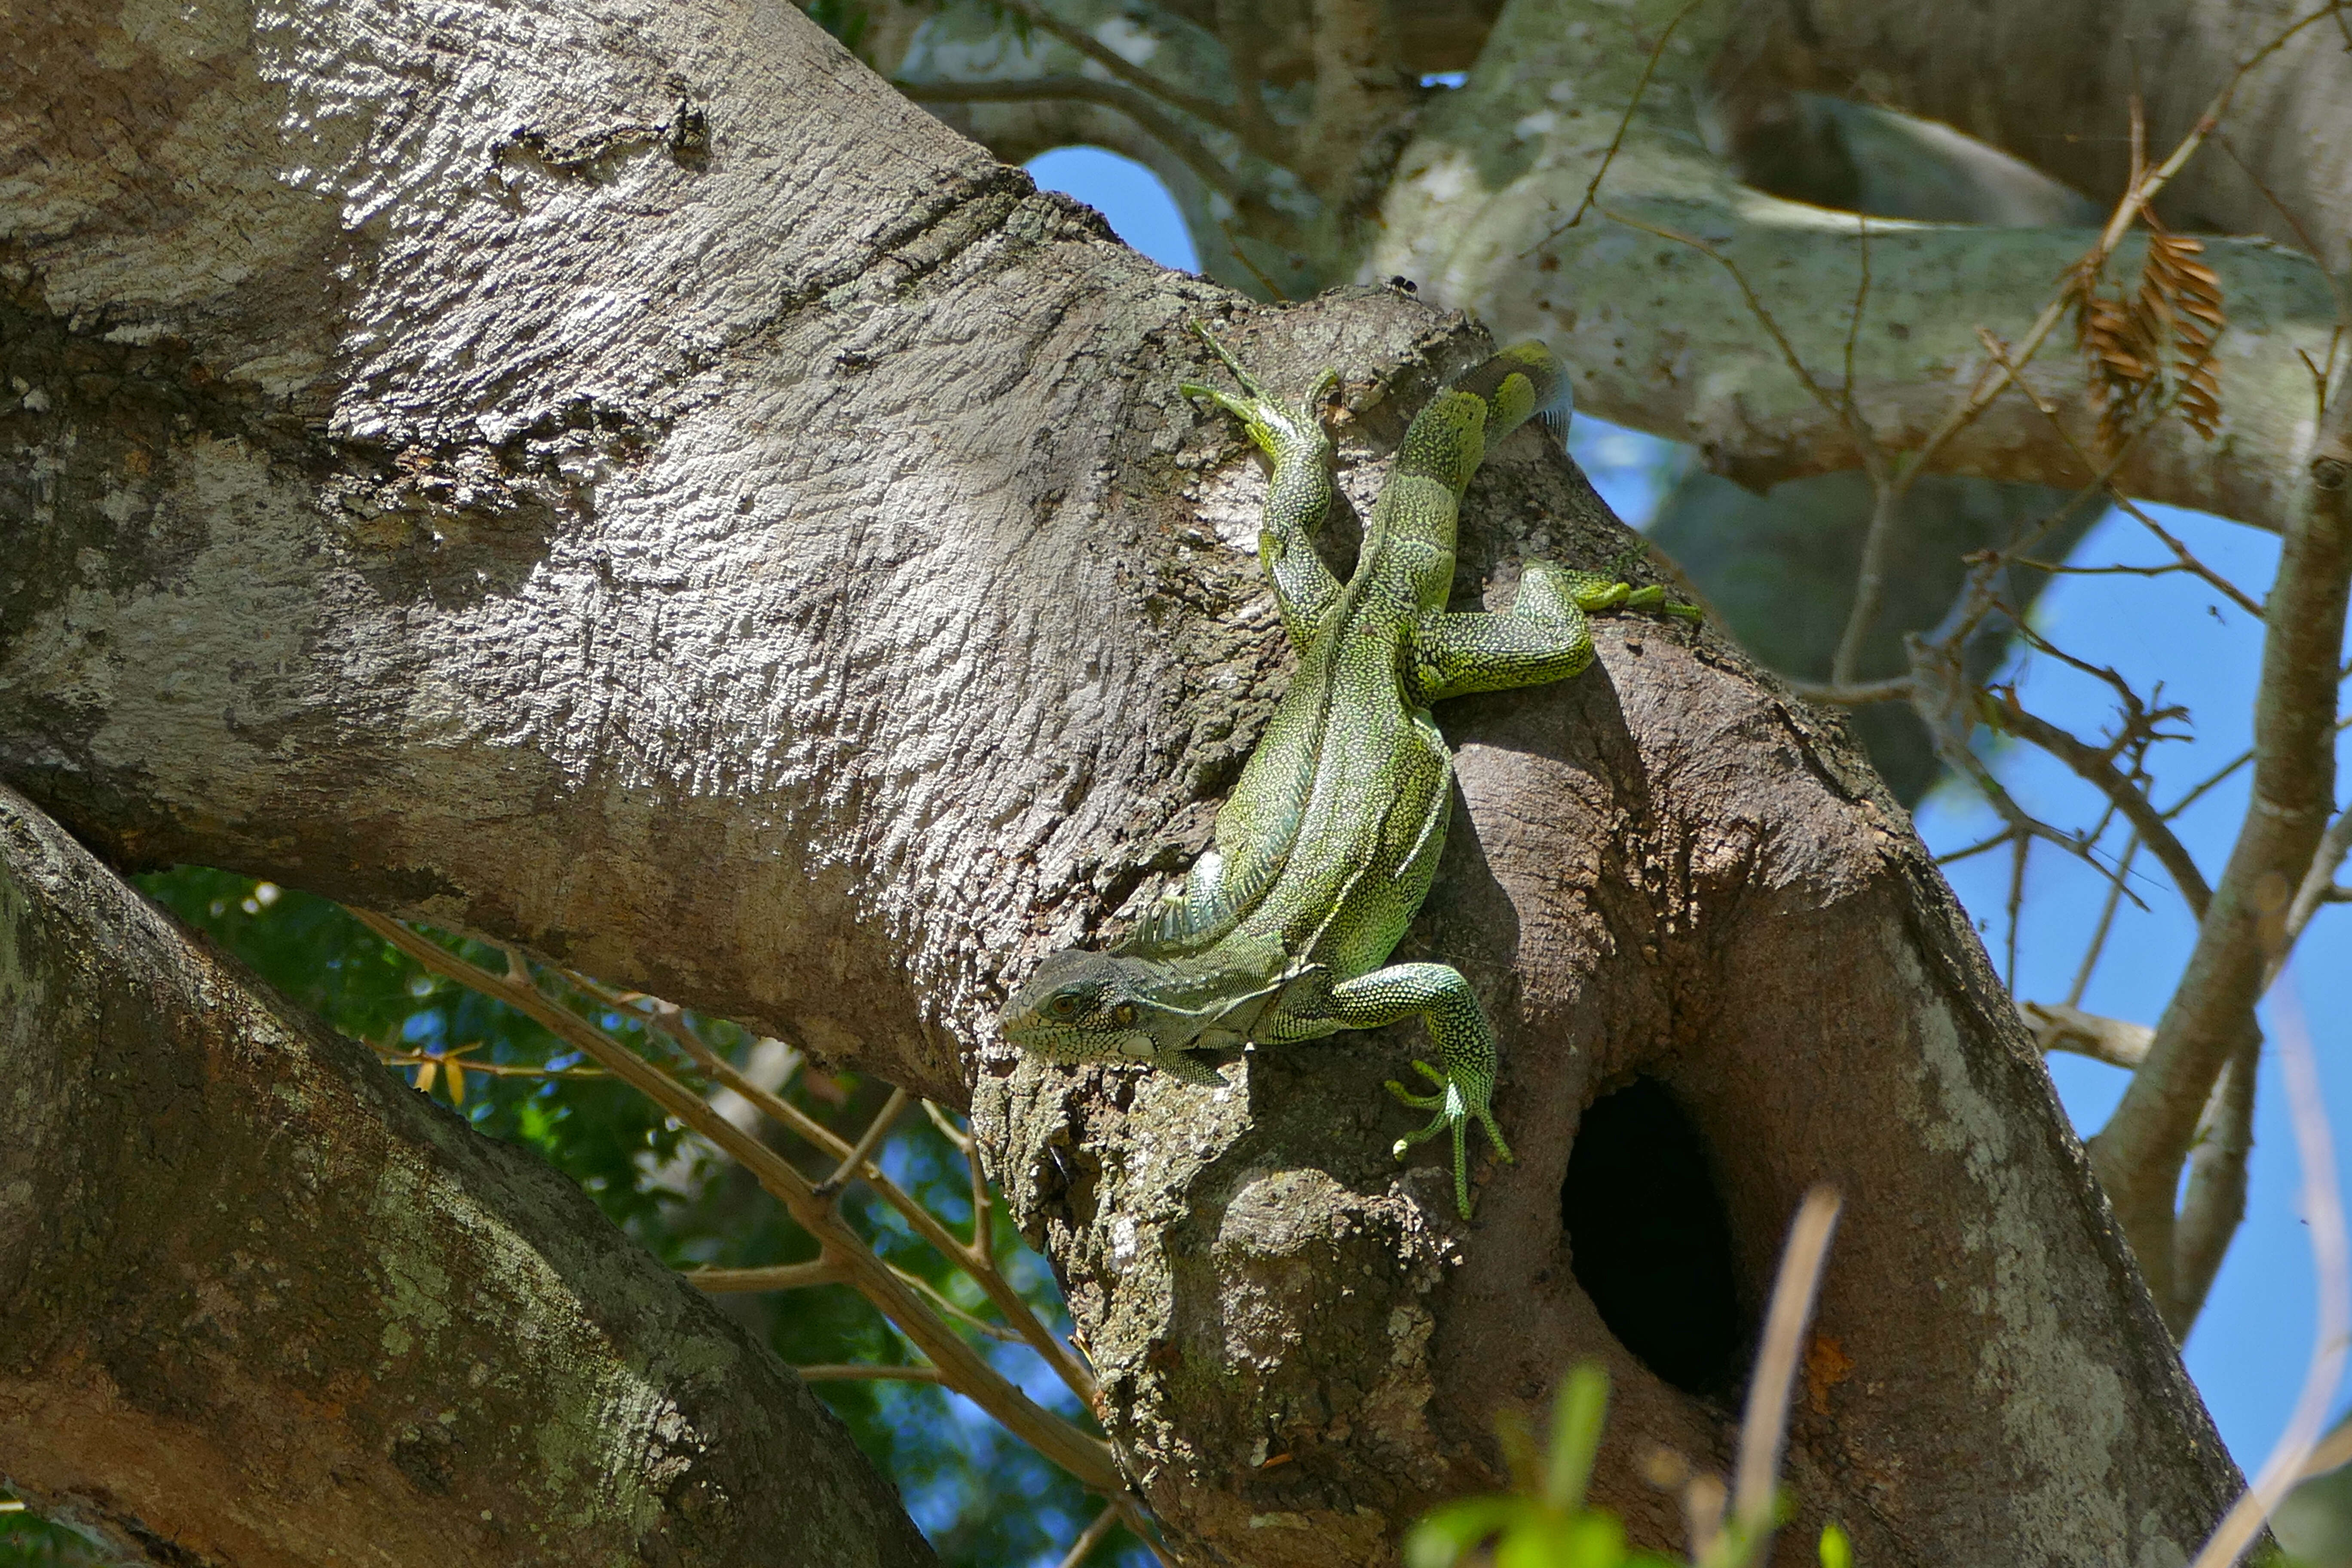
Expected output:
(1271, 423)
(1454, 1113)
(1652, 598)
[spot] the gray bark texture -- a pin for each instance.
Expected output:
(265, 1305)
(620, 480)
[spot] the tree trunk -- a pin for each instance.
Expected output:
(627, 483)
(265, 1305)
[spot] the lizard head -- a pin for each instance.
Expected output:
(1524, 381)
(1084, 1006)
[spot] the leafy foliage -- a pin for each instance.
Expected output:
(1543, 1522)
(28, 1541)
(845, 19)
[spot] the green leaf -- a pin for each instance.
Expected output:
(1576, 1417)
(1837, 1551)
(1537, 1542)
(1595, 1541)
(1450, 1529)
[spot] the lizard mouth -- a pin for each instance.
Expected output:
(1054, 1042)
(1065, 1043)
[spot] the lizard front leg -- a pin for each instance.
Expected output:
(1297, 496)
(1542, 637)
(1441, 998)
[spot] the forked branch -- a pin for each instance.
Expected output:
(1085, 1457)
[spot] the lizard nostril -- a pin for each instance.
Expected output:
(1649, 1241)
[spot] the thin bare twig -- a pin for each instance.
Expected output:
(948, 1128)
(1887, 481)
(1871, 459)
(2189, 562)
(1870, 573)
(980, 1326)
(2221, 775)
(2310, 247)
(2323, 1215)
(2020, 850)
(2319, 882)
(773, 1276)
(1094, 1535)
(488, 1069)
(1854, 320)
(866, 1142)
(1633, 104)
(1947, 702)
(1981, 846)
(1207, 110)
(977, 1260)
(1891, 483)
(1765, 1422)
(2098, 942)
(2184, 561)
(873, 1372)
(2097, 768)
(1087, 1457)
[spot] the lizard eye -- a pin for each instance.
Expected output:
(1124, 1013)
(1063, 1005)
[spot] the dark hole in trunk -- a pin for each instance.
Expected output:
(1651, 1245)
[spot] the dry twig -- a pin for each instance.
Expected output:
(1765, 1424)
(1633, 104)
(1087, 1457)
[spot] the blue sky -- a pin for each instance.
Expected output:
(2248, 1352)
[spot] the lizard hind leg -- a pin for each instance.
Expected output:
(1282, 432)
(1299, 495)
(1543, 636)
(1465, 1084)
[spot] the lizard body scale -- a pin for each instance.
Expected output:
(1324, 851)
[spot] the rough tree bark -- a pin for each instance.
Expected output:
(1736, 145)
(624, 481)
(265, 1305)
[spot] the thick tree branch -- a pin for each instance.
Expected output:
(788, 582)
(1660, 342)
(2061, 1026)
(1360, 87)
(2140, 1152)
(267, 1305)
(1141, 107)
(2055, 84)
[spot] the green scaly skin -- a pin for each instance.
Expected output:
(1326, 849)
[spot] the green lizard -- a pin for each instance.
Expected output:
(1327, 844)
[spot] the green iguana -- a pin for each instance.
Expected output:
(1325, 851)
